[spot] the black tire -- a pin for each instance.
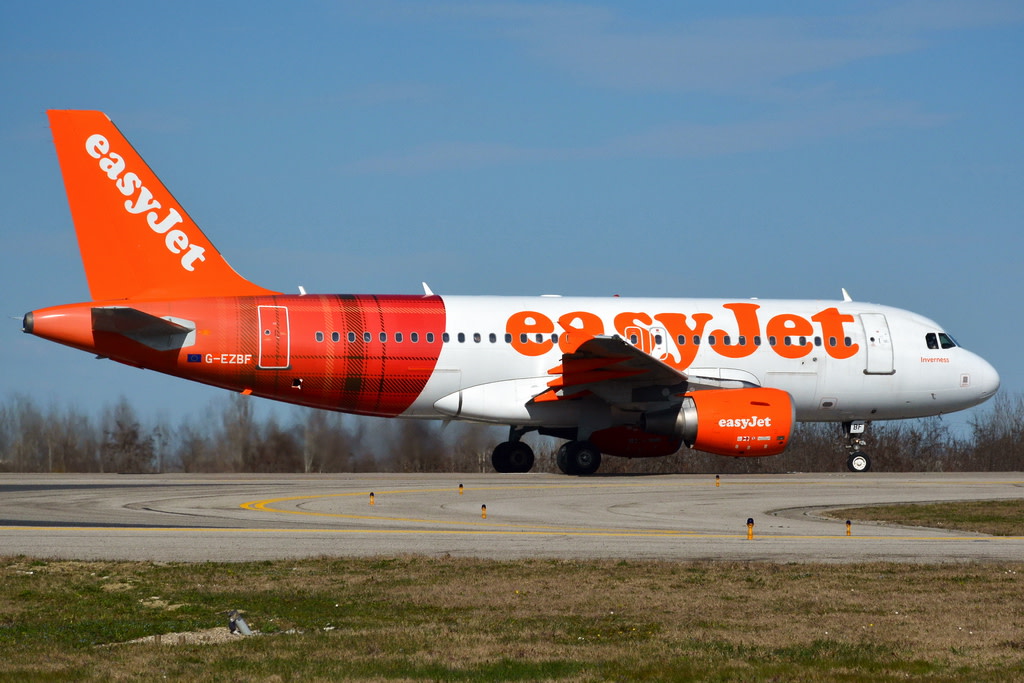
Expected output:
(501, 457)
(520, 457)
(858, 462)
(562, 459)
(581, 457)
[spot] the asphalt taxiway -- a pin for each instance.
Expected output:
(671, 517)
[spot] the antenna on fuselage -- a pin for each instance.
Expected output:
(426, 290)
(846, 296)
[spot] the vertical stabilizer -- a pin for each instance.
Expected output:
(136, 241)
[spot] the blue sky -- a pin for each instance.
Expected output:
(659, 149)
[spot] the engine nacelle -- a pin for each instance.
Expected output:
(747, 422)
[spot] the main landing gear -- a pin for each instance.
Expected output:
(512, 455)
(858, 460)
(578, 457)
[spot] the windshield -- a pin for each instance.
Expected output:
(939, 340)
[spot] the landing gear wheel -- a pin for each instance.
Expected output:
(562, 459)
(578, 457)
(859, 462)
(512, 456)
(855, 431)
(520, 457)
(500, 457)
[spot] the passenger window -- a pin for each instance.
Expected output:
(383, 336)
(462, 337)
(319, 336)
(540, 338)
(633, 339)
(446, 338)
(351, 337)
(398, 337)
(367, 337)
(772, 341)
(696, 340)
(492, 337)
(522, 338)
(832, 341)
(847, 341)
(430, 337)
(414, 337)
(657, 339)
(757, 340)
(335, 336)
(711, 339)
(727, 340)
(508, 338)
(681, 340)
(742, 341)
(476, 337)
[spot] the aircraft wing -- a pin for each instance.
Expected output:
(622, 374)
(606, 366)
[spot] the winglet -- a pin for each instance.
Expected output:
(136, 241)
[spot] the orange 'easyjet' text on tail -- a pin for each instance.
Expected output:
(136, 240)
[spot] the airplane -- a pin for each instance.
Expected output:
(629, 377)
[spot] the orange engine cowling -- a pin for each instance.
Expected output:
(747, 422)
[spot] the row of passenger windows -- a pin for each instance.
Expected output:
(634, 339)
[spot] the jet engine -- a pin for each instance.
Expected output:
(741, 422)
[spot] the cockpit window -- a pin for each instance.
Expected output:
(937, 340)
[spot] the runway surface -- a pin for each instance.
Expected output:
(256, 517)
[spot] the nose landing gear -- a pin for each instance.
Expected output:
(858, 460)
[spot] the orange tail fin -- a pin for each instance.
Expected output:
(136, 240)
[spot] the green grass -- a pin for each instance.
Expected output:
(413, 618)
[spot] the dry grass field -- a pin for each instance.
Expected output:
(994, 517)
(415, 618)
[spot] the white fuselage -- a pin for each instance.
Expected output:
(858, 361)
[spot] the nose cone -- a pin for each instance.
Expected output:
(984, 379)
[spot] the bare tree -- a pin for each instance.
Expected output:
(238, 439)
(125, 447)
(998, 434)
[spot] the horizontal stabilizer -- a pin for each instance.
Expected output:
(157, 333)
